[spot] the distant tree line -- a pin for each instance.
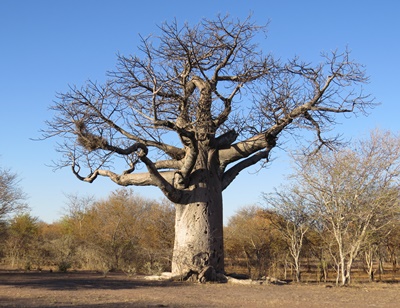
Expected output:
(338, 212)
(338, 208)
(123, 232)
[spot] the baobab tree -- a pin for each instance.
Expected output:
(196, 106)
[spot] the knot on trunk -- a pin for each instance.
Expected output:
(271, 140)
(200, 260)
(207, 274)
(179, 181)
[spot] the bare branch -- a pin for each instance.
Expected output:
(175, 106)
(233, 172)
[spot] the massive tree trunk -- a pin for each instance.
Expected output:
(198, 237)
(199, 221)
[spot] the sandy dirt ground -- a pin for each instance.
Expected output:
(118, 290)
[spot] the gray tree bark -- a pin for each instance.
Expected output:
(199, 221)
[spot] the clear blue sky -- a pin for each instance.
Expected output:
(47, 45)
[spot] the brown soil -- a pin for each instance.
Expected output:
(79, 289)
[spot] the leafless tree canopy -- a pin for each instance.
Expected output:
(195, 89)
(11, 195)
(352, 195)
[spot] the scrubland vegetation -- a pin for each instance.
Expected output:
(337, 218)
(123, 232)
(135, 235)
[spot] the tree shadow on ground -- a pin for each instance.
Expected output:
(21, 303)
(79, 281)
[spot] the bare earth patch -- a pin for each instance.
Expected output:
(117, 290)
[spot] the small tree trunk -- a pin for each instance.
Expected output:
(338, 270)
(324, 270)
(297, 268)
(346, 276)
(343, 271)
(369, 264)
(285, 268)
(381, 268)
(394, 267)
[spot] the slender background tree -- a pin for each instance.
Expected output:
(11, 195)
(292, 220)
(352, 195)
